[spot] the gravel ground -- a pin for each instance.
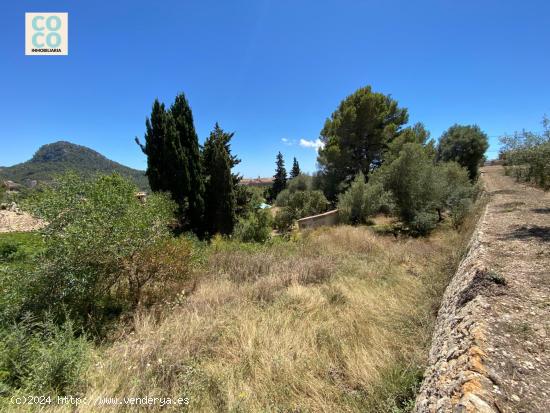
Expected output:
(517, 239)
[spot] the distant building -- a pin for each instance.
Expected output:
(256, 181)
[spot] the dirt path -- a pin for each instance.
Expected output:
(490, 350)
(517, 246)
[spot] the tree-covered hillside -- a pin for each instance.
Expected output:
(59, 157)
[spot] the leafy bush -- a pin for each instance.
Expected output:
(301, 182)
(254, 228)
(455, 191)
(9, 251)
(97, 231)
(156, 268)
(422, 190)
(527, 155)
(423, 222)
(361, 200)
(42, 358)
(412, 180)
(298, 204)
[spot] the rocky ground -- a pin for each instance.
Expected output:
(491, 347)
(12, 219)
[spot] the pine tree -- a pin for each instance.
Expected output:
(295, 171)
(279, 179)
(189, 173)
(217, 161)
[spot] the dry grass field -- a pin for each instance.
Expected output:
(335, 320)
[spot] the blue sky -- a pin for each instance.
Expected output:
(270, 70)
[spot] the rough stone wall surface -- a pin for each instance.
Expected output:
(456, 379)
(327, 219)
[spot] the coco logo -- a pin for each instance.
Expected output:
(46, 33)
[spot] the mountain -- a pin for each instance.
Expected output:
(59, 157)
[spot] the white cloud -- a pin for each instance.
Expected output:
(316, 144)
(288, 142)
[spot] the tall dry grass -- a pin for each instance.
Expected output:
(337, 321)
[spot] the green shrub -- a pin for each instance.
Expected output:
(361, 200)
(460, 210)
(254, 228)
(10, 251)
(527, 156)
(298, 204)
(413, 183)
(284, 220)
(423, 222)
(300, 183)
(95, 229)
(42, 358)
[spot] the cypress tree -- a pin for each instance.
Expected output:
(158, 129)
(295, 171)
(173, 159)
(219, 214)
(279, 179)
(186, 146)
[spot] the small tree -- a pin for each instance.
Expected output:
(413, 183)
(465, 145)
(96, 230)
(217, 161)
(256, 227)
(279, 179)
(298, 204)
(360, 201)
(295, 171)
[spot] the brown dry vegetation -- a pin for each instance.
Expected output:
(337, 320)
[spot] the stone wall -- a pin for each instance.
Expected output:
(456, 379)
(327, 219)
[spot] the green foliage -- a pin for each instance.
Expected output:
(95, 228)
(42, 358)
(247, 199)
(413, 134)
(298, 204)
(295, 171)
(455, 191)
(284, 220)
(356, 136)
(422, 190)
(411, 179)
(220, 206)
(465, 145)
(60, 157)
(360, 201)
(173, 159)
(188, 187)
(256, 227)
(300, 183)
(527, 155)
(279, 179)
(8, 251)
